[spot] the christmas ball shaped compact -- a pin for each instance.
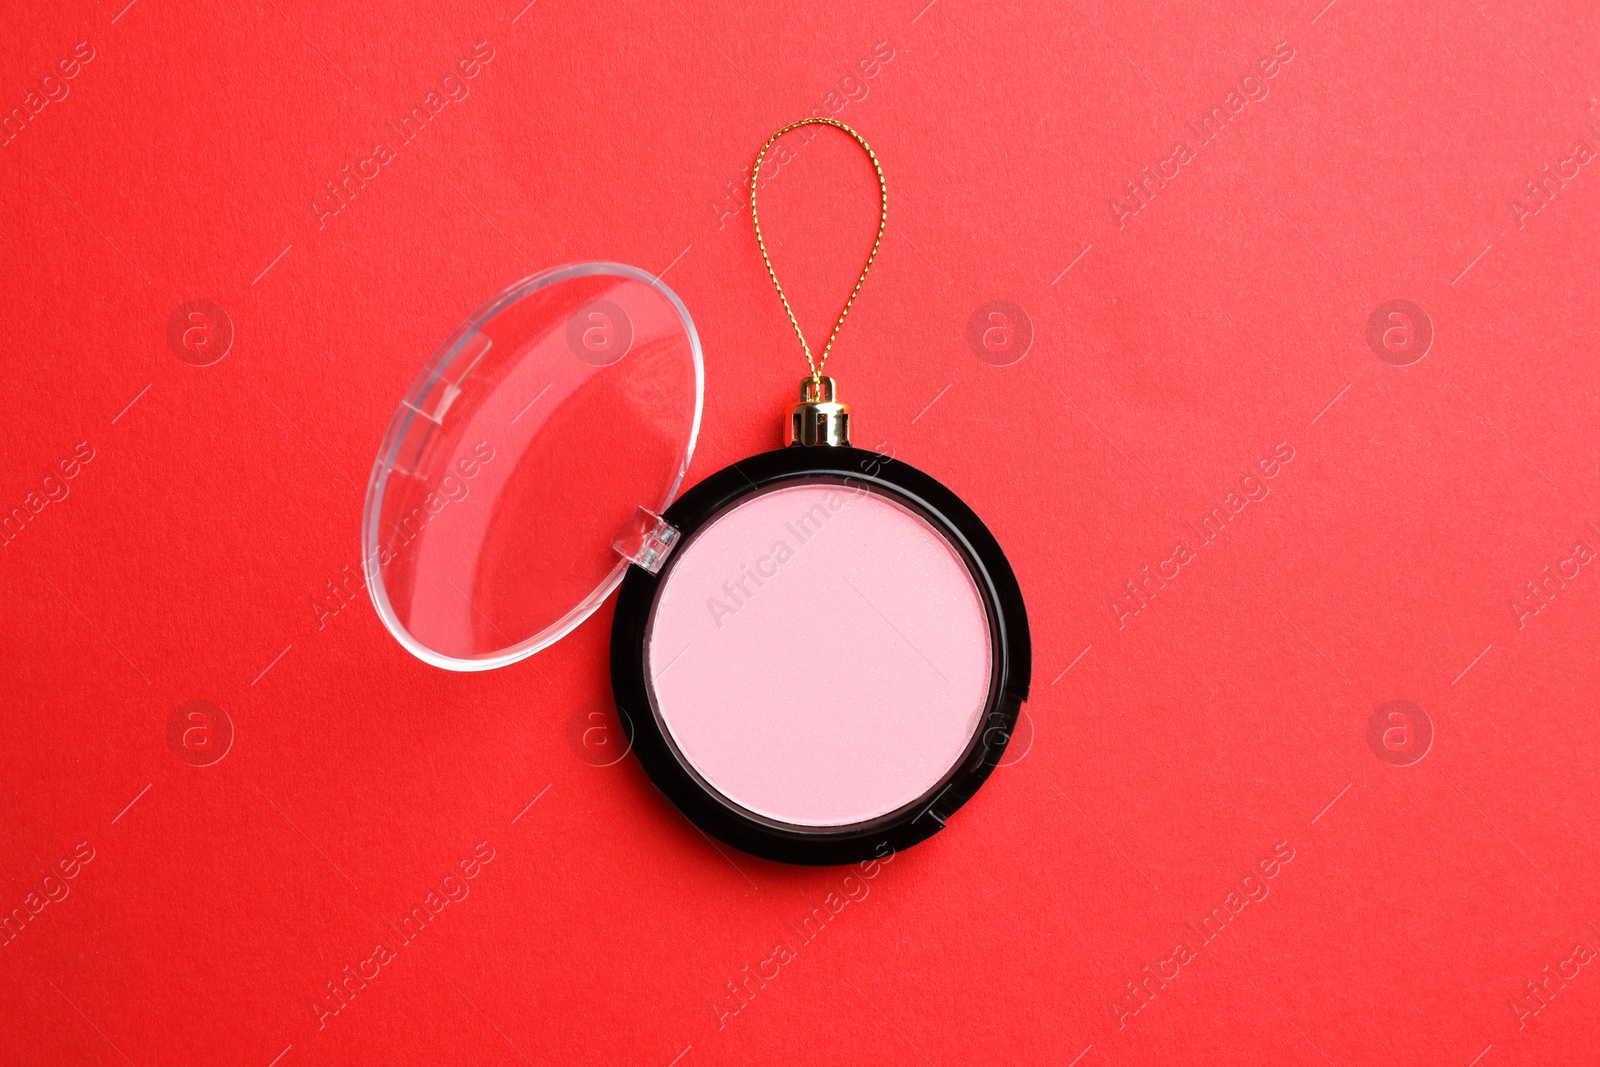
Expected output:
(821, 652)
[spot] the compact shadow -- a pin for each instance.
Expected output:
(820, 655)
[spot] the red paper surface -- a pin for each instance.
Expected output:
(1426, 534)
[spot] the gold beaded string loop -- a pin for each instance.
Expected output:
(883, 221)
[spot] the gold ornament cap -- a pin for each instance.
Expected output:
(819, 419)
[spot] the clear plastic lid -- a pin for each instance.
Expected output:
(520, 461)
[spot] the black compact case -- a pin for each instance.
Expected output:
(1011, 653)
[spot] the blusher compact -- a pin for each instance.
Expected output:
(820, 652)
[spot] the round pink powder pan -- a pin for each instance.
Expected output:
(820, 655)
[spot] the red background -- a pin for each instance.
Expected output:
(1226, 716)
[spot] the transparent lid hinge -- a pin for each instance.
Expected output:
(647, 540)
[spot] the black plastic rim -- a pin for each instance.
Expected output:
(1011, 652)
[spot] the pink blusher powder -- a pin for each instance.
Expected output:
(820, 655)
